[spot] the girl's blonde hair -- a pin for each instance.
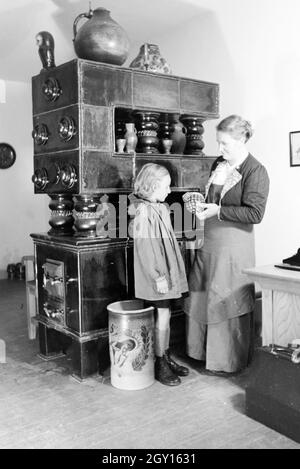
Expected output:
(147, 178)
(236, 126)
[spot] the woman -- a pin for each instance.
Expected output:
(221, 301)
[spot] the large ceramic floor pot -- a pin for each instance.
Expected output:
(131, 344)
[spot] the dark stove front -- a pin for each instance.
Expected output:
(76, 280)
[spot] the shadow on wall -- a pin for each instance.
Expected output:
(15, 26)
(199, 49)
(23, 19)
(18, 50)
(141, 19)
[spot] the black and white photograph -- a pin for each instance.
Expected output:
(295, 148)
(150, 247)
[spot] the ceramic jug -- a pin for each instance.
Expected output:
(131, 137)
(131, 344)
(178, 135)
(150, 59)
(101, 38)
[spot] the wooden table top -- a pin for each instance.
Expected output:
(275, 278)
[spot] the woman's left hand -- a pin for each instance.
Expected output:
(210, 210)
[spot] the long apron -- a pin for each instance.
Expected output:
(221, 296)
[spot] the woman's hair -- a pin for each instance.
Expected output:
(236, 126)
(147, 179)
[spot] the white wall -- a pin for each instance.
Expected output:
(21, 211)
(251, 48)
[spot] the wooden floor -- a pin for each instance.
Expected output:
(42, 406)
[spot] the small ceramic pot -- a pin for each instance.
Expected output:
(121, 142)
(167, 145)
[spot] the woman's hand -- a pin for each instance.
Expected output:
(208, 211)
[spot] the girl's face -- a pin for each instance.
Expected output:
(162, 189)
(229, 147)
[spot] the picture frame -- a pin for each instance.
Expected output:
(295, 148)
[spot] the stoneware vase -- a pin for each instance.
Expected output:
(121, 142)
(131, 344)
(167, 144)
(131, 137)
(101, 38)
(147, 125)
(150, 59)
(178, 136)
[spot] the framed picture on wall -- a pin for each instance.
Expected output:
(295, 148)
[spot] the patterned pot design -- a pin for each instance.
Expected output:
(131, 344)
(149, 59)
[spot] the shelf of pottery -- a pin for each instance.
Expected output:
(150, 132)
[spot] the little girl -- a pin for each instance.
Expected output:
(159, 271)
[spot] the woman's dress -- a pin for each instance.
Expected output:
(221, 297)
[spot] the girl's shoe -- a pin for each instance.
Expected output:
(179, 370)
(164, 374)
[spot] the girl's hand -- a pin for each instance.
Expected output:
(210, 210)
(162, 285)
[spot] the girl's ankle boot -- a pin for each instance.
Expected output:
(179, 370)
(164, 374)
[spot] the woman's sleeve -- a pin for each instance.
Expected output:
(148, 243)
(254, 199)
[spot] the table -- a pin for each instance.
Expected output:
(280, 303)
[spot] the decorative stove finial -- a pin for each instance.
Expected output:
(45, 41)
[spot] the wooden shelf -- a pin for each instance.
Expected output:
(162, 155)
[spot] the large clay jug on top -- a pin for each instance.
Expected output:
(101, 38)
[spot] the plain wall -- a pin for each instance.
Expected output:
(22, 212)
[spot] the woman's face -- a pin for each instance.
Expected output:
(229, 147)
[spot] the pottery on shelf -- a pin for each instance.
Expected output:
(130, 137)
(178, 135)
(121, 142)
(167, 145)
(194, 131)
(150, 59)
(101, 38)
(147, 126)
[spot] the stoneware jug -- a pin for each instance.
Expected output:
(178, 135)
(150, 59)
(131, 137)
(101, 38)
(131, 344)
